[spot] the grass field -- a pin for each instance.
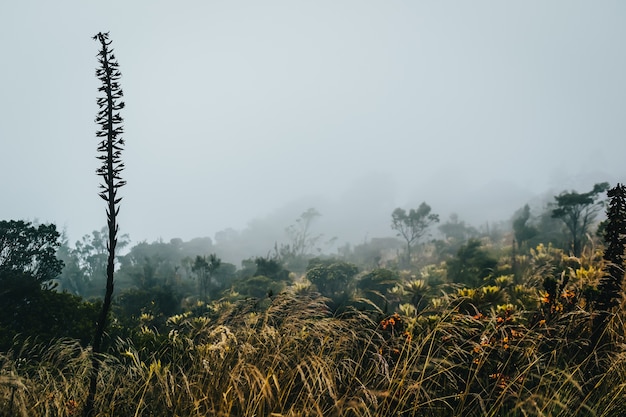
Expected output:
(506, 349)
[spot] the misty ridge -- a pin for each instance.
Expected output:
(362, 213)
(355, 227)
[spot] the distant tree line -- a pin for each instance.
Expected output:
(160, 279)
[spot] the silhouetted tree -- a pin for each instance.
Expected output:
(578, 211)
(29, 249)
(110, 149)
(413, 225)
(615, 235)
(205, 267)
(611, 283)
(524, 231)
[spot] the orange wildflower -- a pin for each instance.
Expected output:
(72, 407)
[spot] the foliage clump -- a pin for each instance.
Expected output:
(293, 356)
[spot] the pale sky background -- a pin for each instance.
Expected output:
(243, 110)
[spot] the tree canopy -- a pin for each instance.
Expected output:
(524, 231)
(578, 212)
(413, 225)
(615, 235)
(29, 249)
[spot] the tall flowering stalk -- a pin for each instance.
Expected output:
(110, 151)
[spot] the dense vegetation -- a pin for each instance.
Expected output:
(474, 322)
(525, 319)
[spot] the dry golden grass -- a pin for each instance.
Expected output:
(289, 356)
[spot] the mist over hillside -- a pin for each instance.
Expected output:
(244, 116)
(363, 211)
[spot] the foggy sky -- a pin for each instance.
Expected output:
(243, 110)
